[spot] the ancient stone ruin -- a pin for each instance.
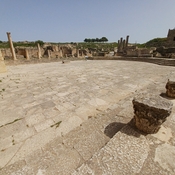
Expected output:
(11, 45)
(128, 50)
(170, 89)
(150, 111)
(2, 64)
(171, 36)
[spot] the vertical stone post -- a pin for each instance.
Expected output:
(27, 54)
(39, 51)
(11, 46)
(2, 64)
(49, 54)
(1, 57)
(56, 48)
(127, 40)
(61, 53)
(78, 53)
(124, 44)
(121, 44)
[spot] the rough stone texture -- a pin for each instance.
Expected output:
(89, 145)
(165, 155)
(126, 146)
(150, 111)
(170, 89)
(76, 94)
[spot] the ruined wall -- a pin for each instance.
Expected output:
(32, 51)
(6, 52)
(171, 35)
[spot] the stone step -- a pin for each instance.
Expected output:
(125, 153)
(130, 152)
(103, 144)
(65, 154)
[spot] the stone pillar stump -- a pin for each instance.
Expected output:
(11, 45)
(170, 89)
(150, 111)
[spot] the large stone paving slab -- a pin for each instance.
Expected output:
(40, 102)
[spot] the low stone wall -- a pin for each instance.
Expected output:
(159, 61)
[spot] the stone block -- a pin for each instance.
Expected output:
(150, 111)
(170, 89)
(92, 143)
(125, 153)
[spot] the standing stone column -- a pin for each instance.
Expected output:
(2, 64)
(78, 53)
(127, 40)
(61, 53)
(1, 57)
(39, 51)
(11, 46)
(118, 47)
(123, 44)
(27, 54)
(49, 54)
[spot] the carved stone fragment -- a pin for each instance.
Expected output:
(170, 89)
(150, 111)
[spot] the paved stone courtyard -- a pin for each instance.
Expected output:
(67, 107)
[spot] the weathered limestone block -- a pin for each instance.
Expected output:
(150, 111)
(170, 89)
(1, 57)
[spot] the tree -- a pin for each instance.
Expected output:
(97, 39)
(86, 40)
(103, 39)
(41, 43)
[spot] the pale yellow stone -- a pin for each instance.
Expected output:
(164, 134)
(165, 155)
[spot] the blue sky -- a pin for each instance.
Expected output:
(75, 20)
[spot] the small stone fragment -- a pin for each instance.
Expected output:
(170, 89)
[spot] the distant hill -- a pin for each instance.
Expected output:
(156, 42)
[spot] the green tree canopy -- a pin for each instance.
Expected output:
(103, 39)
(41, 43)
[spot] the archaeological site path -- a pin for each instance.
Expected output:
(40, 103)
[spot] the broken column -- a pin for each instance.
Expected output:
(78, 53)
(27, 54)
(150, 111)
(11, 46)
(170, 89)
(61, 53)
(1, 57)
(49, 54)
(118, 47)
(2, 64)
(127, 40)
(121, 44)
(39, 51)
